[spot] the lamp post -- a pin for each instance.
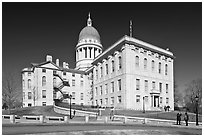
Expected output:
(70, 106)
(143, 104)
(196, 99)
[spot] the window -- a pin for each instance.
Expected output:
(29, 95)
(120, 62)
(54, 82)
(106, 88)
(119, 85)
(137, 98)
(54, 95)
(29, 84)
(73, 82)
(73, 74)
(153, 85)
(112, 100)
(101, 102)
(137, 84)
(96, 91)
(43, 81)
(23, 84)
(43, 103)
(160, 87)
(81, 75)
(113, 66)
(73, 95)
(167, 88)
(112, 87)
(166, 69)
(101, 72)
(44, 70)
(101, 90)
(107, 69)
(106, 101)
(43, 93)
(29, 104)
(137, 61)
(29, 73)
(145, 63)
(160, 100)
(159, 67)
(119, 99)
(23, 95)
(146, 85)
(82, 96)
(167, 100)
(64, 73)
(96, 74)
(96, 102)
(153, 65)
(82, 83)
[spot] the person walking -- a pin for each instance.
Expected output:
(186, 118)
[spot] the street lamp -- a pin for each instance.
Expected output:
(70, 106)
(196, 99)
(143, 104)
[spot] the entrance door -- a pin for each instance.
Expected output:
(156, 101)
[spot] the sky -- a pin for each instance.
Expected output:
(30, 31)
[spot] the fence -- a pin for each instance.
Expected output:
(105, 119)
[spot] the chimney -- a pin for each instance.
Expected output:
(67, 65)
(49, 58)
(57, 62)
(64, 65)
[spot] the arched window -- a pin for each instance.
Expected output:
(43, 81)
(153, 65)
(54, 82)
(23, 84)
(120, 62)
(29, 84)
(159, 67)
(112, 65)
(145, 63)
(137, 61)
(166, 69)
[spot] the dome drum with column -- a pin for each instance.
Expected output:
(88, 47)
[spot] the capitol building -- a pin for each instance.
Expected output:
(130, 74)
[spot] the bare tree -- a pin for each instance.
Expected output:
(34, 95)
(193, 89)
(177, 95)
(11, 90)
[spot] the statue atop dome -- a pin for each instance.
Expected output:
(89, 22)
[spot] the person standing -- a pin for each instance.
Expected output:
(178, 118)
(186, 118)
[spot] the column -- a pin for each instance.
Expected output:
(88, 52)
(77, 55)
(92, 52)
(94, 49)
(80, 52)
(83, 53)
